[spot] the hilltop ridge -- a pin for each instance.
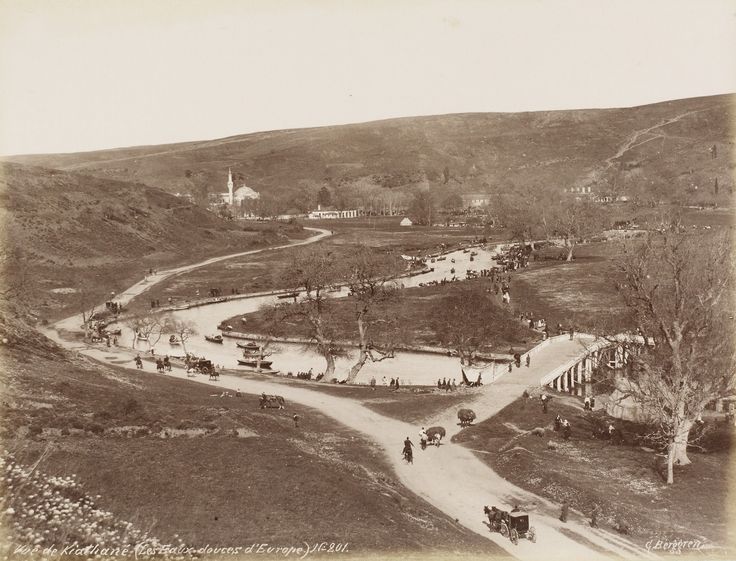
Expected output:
(662, 148)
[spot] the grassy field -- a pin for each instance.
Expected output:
(581, 293)
(416, 309)
(623, 480)
(233, 474)
(413, 404)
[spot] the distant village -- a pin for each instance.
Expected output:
(245, 203)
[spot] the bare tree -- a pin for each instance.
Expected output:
(576, 220)
(461, 321)
(525, 213)
(312, 273)
(146, 327)
(183, 329)
(369, 276)
(679, 288)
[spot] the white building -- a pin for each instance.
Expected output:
(476, 200)
(320, 214)
(406, 222)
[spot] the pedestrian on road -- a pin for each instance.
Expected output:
(138, 362)
(528, 360)
(572, 333)
(373, 384)
(563, 512)
(511, 367)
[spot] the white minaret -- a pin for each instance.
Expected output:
(229, 186)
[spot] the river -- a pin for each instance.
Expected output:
(412, 368)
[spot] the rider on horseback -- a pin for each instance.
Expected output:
(408, 445)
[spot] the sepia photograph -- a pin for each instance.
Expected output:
(367, 280)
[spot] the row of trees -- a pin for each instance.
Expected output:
(152, 327)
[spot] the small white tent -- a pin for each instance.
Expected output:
(405, 222)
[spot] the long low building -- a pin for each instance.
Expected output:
(322, 214)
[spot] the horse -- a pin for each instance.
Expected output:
(214, 375)
(272, 402)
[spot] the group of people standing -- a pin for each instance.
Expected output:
(446, 384)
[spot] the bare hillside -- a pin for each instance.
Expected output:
(663, 148)
(63, 230)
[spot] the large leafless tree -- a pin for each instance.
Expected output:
(312, 272)
(680, 289)
(374, 296)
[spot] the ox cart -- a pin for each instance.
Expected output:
(435, 435)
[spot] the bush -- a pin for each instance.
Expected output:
(131, 406)
(95, 428)
(35, 430)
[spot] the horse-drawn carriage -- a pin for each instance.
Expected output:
(514, 524)
(201, 366)
(272, 402)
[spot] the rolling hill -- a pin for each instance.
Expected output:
(64, 230)
(662, 149)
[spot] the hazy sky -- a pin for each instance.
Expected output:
(80, 75)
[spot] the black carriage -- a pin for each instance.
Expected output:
(514, 524)
(202, 366)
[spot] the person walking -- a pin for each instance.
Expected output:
(528, 360)
(423, 439)
(373, 384)
(544, 400)
(564, 511)
(138, 362)
(296, 420)
(594, 515)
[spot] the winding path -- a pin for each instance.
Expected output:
(450, 477)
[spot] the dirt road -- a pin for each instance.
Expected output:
(450, 477)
